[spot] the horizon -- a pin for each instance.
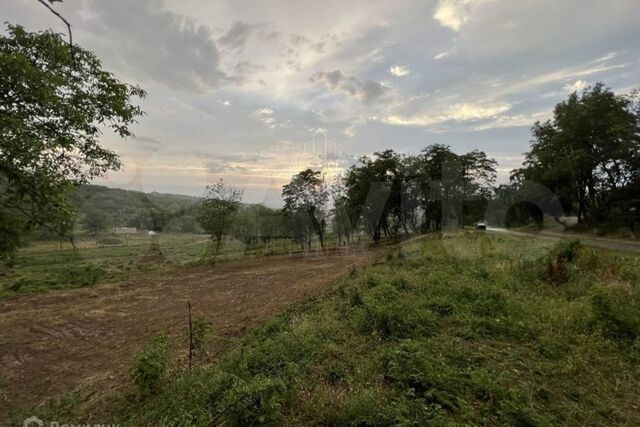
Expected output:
(239, 92)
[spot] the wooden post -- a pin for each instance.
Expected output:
(190, 336)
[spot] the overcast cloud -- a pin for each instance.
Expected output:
(239, 90)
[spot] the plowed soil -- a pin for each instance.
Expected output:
(53, 343)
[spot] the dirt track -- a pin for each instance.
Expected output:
(53, 343)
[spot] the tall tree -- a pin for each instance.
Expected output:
(587, 151)
(96, 221)
(452, 185)
(373, 193)
(218, 210)
(55, 101)
(307, 193)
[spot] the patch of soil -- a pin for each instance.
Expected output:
(53, 343)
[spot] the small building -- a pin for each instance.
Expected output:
(125, 230)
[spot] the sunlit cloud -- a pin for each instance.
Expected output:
(454, 14)
(455, 113)
(399, 70)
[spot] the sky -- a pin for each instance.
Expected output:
(254, 91)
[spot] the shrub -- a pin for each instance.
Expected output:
(150, 366)
(617, 311)
(109, 241)
(411, 367)
(81, 275)
(355, 297)
(15, 286)
(397, 320)
(556, 264)
(256, 402)
(200, 331)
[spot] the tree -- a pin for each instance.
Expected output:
(96, 221)
(342, 226)
(454, 187)
(218, 210)
(55, 101)
(307, 194)
(374, 193)
(258, 223)
(588, 152)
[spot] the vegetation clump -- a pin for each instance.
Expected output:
(150, 366)
(431, 342)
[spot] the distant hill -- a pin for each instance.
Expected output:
(145, 211)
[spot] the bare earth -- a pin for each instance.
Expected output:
(53, 343)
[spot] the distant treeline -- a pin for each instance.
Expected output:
(584, 162)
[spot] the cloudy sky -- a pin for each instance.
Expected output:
(252, 92)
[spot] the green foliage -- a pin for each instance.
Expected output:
(559, 260)
(81, 275)
(75, 276)
(56, 99)
(144, 211)
(64, 407)
(427, 339)
(424, 374)
(305, 203)
(110, 240)
(150, 367)
(201, 330)
(258, 224)
(389, 192)
(254, 402)
(588, 154)
(96, 221)
(616, 309)
(217, 211)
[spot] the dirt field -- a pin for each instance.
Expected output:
(53, 343)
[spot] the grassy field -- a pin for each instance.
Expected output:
(470, 329)
(50, 265)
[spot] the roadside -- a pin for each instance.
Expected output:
(619, 245)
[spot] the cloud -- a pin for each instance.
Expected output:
(265, 115)
(237, 35)
(442, 55)
(561, 75)
(607, 57)
(577, 86)
(399, 70)
(455, 113)
(156, 44)
(510, 121)
(367, 92)
(454, 14)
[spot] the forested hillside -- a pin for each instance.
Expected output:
(145, 211)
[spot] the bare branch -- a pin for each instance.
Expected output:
(62, 18)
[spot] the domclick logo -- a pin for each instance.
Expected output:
(32, 422)
(37, 422)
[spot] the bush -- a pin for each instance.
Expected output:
(81, 275)
(150, 366)
(256, 402)
(200, 331)
(110, 241)
(556, 265)
(397, 320)
(410, 367)
(617, 311)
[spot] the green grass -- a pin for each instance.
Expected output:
(464, 330)
(46, 266)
